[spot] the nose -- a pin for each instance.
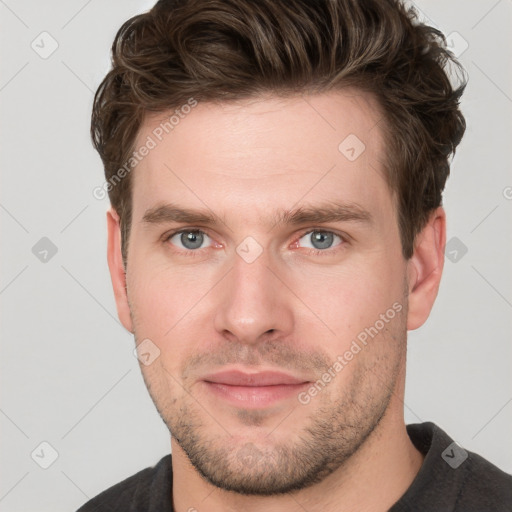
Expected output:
(253, 302)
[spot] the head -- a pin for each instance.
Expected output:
(275, 171)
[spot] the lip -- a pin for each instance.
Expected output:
(264, 378)
(254, 390)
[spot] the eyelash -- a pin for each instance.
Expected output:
(316, 252)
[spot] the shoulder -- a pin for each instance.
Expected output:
(481, 484)
(138, 492)
(485, 485)
(452, 479)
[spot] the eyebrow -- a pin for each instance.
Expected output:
(308, 214)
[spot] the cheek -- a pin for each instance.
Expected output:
(167, 309)
(163, 294)
(346, 300)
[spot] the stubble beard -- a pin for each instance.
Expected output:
(333, 432)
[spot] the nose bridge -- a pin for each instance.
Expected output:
(253, 301)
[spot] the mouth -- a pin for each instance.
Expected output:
(254, 390)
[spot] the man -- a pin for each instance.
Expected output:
(275, 170)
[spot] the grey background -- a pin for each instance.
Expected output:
(68, 374)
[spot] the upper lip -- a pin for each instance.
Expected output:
(264, 378)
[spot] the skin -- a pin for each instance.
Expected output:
(290, 309)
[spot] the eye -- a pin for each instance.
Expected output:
(320, 240)
(190, 239)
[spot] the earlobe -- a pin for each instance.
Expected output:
(117, 270)
(425, 269)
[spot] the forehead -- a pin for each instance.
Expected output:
(264, 153)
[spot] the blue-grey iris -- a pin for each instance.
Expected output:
(193, 238)
(323, 239)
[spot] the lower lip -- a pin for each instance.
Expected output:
(255, 396)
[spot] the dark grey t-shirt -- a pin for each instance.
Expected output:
(451, 479)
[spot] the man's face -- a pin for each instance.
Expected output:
(254, 292)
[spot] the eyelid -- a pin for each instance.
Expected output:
(321, 230)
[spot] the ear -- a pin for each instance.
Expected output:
(424, 269)
(116, 267)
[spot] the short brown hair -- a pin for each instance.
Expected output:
(222, 50)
